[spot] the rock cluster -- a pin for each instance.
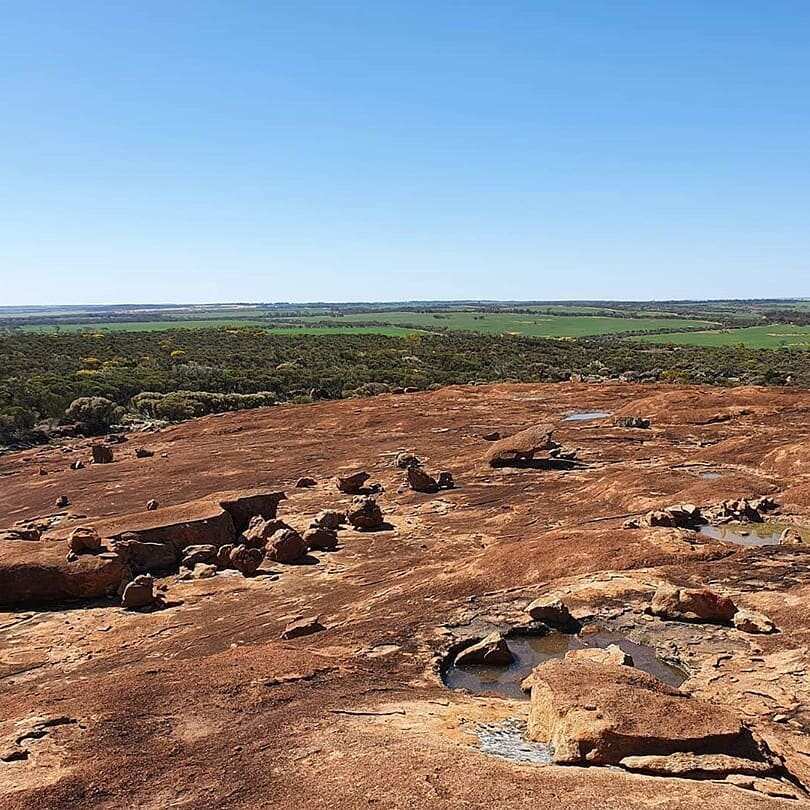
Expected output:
(632, 422)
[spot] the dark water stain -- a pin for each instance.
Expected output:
(585, 416)
(529, 651)
(750, 534)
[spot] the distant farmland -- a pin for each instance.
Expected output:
(771, 336)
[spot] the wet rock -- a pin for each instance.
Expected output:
(446, 480)
(407, 460)
(321, 539)
(365, 513)
(139, 593)
(521, 447)
(420, 481)
(302, 627)
(246, 560)
(612, 655)
(694, 765)
(143, 452)
(84, 540)
(102, 454)
(751, 621)
(151, 505)
(791, 537)
(550, 609)
(632, 422)
(223, 561)
(352, 484)
(491, 651)
(62, 502)
(328, 519)
(286, 546)
(691, 605)
(198, 554)
(743, 510)
(595, 714)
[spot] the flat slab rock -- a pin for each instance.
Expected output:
(686, 764)
(593, 713)
(521, 446)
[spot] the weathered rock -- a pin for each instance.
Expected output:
(632, 422)
(223, 561)
(751, 621)
(420, 481)
(612, 655)
(102, 454)
(520, 447)
(681, 516)
(688, 764)
(84, 540)
(143, 452)
(407, 460)
(549, 609)
(22, 533)
(139, 593)
(244, 504)
(77, 465)
(321, 539)
(199, 571)
(328, 519)
(302, 627)
(145, 557)
(490, 651)
(305, 483)
(198, 554)
(62, 502)
(247, 560)
(766, 786)
(352, 484)
(365, 513)
(445, 480)
(791, 537)
(597, 714)
(259, 531)
(691, 605)
(286, 546)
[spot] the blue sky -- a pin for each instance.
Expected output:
(376, 150)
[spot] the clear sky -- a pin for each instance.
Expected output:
(223, 150)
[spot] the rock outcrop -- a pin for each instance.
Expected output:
(286, 546)
(692, 605)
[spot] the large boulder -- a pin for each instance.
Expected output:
(286, 546)
(420, 481)
(692, 605)
(490, 651)
(520, 447)
(365, 513)
(84, 540)
(247, 560)
(592, 713)
(139, 593)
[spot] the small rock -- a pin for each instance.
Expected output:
(751, 621)
(365, 513)
(102, 454)
(352, 484)
(328, 519)
(83, 540)
(612, 655)
(302, 627)
(492, 436)
(139, 593)
(407, 460)
(420, 481)
(321, 539)
(247, 560)
(286, 546)
(77, 465)
(151, 505)
(305, 482)
(142, 452)
(62, 501)
(491, 651)
(446, 480)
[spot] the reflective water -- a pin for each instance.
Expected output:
(585, 416)
(750, 534)
(506, 740)
(529, 651)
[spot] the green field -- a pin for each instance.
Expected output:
(530, 325)
(772, 336)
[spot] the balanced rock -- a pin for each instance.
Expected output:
(420, 481)
(365, 513)
(286, 546)
(691, 605)
(84, 540)
(139, 593)
(302, 627)
(247, 560)
(352, 484)
(490, 651)
(102, 454)
(321, 539)
(521, 446)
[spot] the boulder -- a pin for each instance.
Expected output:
(691, 605)
(102, 454)
(305, 483)
(365, 513)
(751, 621)
(139, 593)
(352, 484)
(612, 655)
(791, 537)
(142, 452)
(520, 447)
(84, 540)
(550, 609)
(681, 516)
(223, 561)
(420, 481)
(599, 714)
(302, 627)
(199, 571)
(286, 546)
(259, 531)
(407, 460)
(144, 557)
(192, 555)
(446, 480)
(244, 504)
(328, 519)
(490, 651)
(247, 560)
(321, 539)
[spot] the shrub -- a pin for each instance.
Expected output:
(93, 414)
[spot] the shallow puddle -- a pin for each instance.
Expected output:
(585, 416)
(506, 740)
(529, 651)
(711, 476)
(750, 534)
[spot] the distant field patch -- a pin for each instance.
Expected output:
(771, 336)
